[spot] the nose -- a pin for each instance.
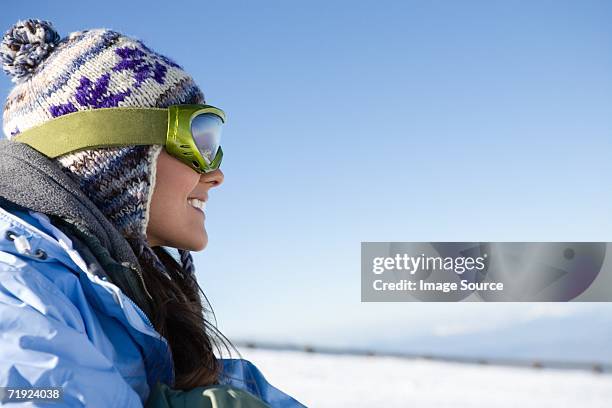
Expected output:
(212, 179)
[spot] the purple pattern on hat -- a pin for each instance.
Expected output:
(106, 39)
(97, 95)
(92, 95)
(135, 60)
(62, 109)
(159, 72)
(143, 62)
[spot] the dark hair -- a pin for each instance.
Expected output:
(179, 315)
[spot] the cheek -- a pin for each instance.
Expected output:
(176, 215)
(173, 185)
(171, 215)
(175, 199)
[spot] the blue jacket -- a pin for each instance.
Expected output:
(63, 326)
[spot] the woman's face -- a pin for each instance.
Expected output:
(173, 221)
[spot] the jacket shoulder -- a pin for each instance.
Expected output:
(55, 325)
(23, 233)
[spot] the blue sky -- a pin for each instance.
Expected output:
(394, 121)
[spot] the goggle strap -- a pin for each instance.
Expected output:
(89, 129)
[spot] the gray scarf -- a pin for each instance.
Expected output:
(30, 180)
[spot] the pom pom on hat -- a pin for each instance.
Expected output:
(25, 45)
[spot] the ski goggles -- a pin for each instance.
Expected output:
(191, 133)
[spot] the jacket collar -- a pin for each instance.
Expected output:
(30, 180)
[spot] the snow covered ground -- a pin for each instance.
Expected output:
(323, 380)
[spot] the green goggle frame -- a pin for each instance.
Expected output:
(123, 126)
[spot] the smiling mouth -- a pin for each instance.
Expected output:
(197, 204)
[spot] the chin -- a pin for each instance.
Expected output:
(199, 247)
(194, 242)
(196, 245)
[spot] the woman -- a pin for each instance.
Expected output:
(94, 195)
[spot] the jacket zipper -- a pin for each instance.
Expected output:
(144, 316)
(141, 312)
(144, 286)
(148, 322)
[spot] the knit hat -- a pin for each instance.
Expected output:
(91, 69)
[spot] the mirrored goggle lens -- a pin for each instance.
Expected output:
(206, 132)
